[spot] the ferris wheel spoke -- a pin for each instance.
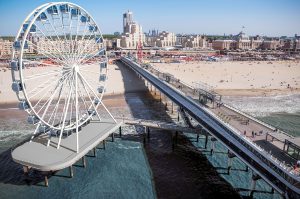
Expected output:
(75, 40)
(92, 101)
(50, 99)
(60, 82)
(40, 63)
(65, 116)
(48, 55)
(40, 88)
(56, 106)
(42, 75)
(92, 81)
(81, 52)
(53, 92)
(62, 58)
(84, 54)
(92, 51)
(47, 86)
(53, 44)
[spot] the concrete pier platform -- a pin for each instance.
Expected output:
(37, 155)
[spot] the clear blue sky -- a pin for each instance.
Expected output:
(264, 17)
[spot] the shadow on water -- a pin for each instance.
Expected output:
(182, 173)
(12, 173)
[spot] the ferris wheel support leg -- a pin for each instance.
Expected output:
(35, 131)
(65, 116)
(109, 113)
(76, 102)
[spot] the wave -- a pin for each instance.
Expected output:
(122, 146)
(264, 106)
(6, 136)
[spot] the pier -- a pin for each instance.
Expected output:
(37, 155)
(227, 126)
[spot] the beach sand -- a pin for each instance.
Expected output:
(251, 78)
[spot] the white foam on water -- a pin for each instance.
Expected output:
(264, 106)
(121, 146)
(6, 136)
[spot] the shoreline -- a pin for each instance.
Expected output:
(257, 92)
(223, 92)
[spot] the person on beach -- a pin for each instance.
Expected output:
(253, 134)
(245, 132)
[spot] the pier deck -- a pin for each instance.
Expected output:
(37, 155)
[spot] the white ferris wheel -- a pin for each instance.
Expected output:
(59, 68)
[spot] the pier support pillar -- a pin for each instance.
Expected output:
(83, 162)
(113, 137)
(94, 150)
(206, 140)
(178, 117)
(148, 132)
(25, 170)
(172, 108)
(71, 171)
(247, 168)
(46, 181)
(197, 137)
(104, 144)
(213, 140)
(254, 178)
(120, 131)
(159, 96)
(154, 91)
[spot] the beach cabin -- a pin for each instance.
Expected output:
(23, 105)
(17, 86)
(52, 10)
(102, 77)
(93, 28)
(64, 8)
(100, 89)
(32, 28)
(17, 45)
(14, 64)
(32, 119)
(42, 17)
(85, 19)
(75, 12)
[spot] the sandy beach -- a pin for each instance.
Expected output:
(226, 78)
(253, 78)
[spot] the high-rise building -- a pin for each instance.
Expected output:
(127, 21)
(132, 32)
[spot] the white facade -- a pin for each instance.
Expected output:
(164, 39)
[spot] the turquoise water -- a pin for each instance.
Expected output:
(239, 178)
(286, 122)
(120, 171)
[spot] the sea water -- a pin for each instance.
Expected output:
(122, 170)
(119, 171)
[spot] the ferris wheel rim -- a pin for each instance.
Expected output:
(42, 9)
